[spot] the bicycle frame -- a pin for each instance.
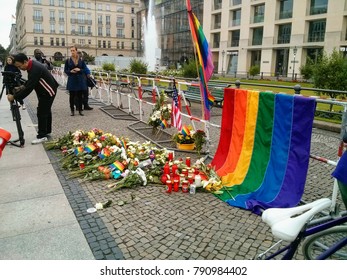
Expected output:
(291, 248)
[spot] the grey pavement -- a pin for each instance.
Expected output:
(43, 212)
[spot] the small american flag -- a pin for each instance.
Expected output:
(176, 112)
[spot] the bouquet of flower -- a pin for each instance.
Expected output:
(161, 113)
(189, 136)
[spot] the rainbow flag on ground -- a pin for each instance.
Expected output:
(117, 166)
(89, 148)
(264, 148)
(204, 60)
(78, 150)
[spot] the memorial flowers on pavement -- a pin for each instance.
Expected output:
(95, 155)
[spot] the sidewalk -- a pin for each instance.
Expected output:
(36, 220)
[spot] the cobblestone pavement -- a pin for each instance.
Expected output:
(154, 225)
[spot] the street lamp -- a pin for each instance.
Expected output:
(294, 53)
(223, 54)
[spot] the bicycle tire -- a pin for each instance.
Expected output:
(313, 246)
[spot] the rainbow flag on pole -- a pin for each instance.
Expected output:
(205, 63)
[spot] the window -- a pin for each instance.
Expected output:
(51, 2)
(38, 28)
(89, 30)
(61, 16)
(217, 4)
(38, 15)
(35, 41)
(89, 42)
(109, 44)
(52, 41)
(257, 38)
(132, 10)
(41, 41)
(37, 2)
(99, 43)
(235, 2)
(217, 18)
(99, 19)
(132, 45)
(284, 33)
(259, 13)
(80, 18)
(99, 31)
(52, 28)
(318, 7)
(286, 9)
(108, 19)
(57, 41)
(108, 32)
(107, 7)
(73, 41)
(120, 9)
(61, 28)
(89, 5)
(72, 4)
(120, 33)
(117, 45)
(236, 17)
(61, 3)
(51, 15)
(100, 7)
(73, 29)
(235, 38)
(81, 30)
(133, 34)
(316, 31)
(120, 22)
(132, 22)
(63, 42)
(81, 42)
(122, 44)
(216, 40)
(255, 57)
(80, 5)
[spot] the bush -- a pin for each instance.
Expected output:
(108, 67)
(254, 70)
(189, 70)
(137, 66)
(306, 70)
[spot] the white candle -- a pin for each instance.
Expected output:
(197, 180)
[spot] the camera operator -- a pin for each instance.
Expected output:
(38, 56)
(42, 81)
(9, 81)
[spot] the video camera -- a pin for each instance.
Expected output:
(11, 80)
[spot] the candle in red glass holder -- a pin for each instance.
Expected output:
(168, 186)
(191, 179)
(81, 164)
(170, 156)
(166, 168)
(185, 172)
(185, 186)
(188, 161)
(174, 169)
(182, 178)
(176, 185)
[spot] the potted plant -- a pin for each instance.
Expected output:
(188, 139)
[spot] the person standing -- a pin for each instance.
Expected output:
(9, 67)
(85, 95)
(38, 56)
(45, 86)
(75, 69)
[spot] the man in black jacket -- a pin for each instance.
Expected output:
(42, 81)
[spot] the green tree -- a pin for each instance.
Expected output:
(330, 72)
(108, 67)
(3, 54)
(306, 70)
(138, 66)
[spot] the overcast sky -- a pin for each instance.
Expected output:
(8, 8)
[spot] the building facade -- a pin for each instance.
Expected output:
(175, 41)
(277, 35)
(96, 27)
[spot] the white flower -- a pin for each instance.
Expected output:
(142, 175)
(99, 206)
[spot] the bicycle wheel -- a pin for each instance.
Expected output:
(320, 242)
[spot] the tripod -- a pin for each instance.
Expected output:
(17, 118)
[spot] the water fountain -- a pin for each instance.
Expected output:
(152, 51)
